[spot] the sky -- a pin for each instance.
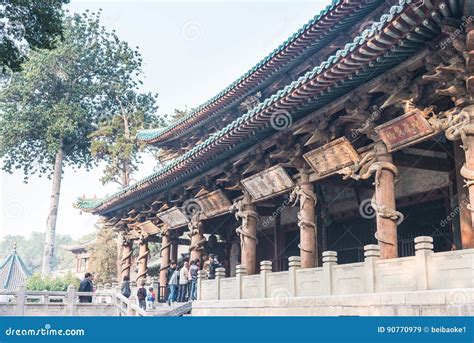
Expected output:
(191, 51)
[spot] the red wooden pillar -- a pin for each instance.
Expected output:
(126, 259)
(306, 223)
(385, 197)
(248, 237)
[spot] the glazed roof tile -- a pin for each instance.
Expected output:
(312, 36)
(320, 82)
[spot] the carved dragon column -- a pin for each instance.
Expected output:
(143, 253)
(196, 236)
(454, 77)
(126, 257)
(378, 161)
(174, 249)
(304, 194)
(165, 257)
(384, 204)
(245, 210)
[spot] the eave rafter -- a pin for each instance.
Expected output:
(330, 80)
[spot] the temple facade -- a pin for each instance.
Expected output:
(357, 131)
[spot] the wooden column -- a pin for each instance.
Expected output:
(142, 259)
(234, 258)
(126, 258)
(174, 249)
(165, 257)
(385, 199)
(467, 171)
(196, 235)
(462, 195)
(307, 200)
(248, 235)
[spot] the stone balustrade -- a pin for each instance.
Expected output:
(424, 271)
(106, 301)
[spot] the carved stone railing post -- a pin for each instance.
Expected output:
(294, 263)
(132, 300)
(265, 268)
(371, 254)
(240, 271)
(220, 274)
(71, 300)
(423, 250)
(329, 260)
(21, 300)
(200, 279)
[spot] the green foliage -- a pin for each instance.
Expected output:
(30, 250)
(38, 282)
(27, 24)
(103, 256)
(125, 111)
(58, 98)
(178, 114)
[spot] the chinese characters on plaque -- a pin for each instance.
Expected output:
(267, 183)
(173, 217)
(331, 157)
(213, 203)
(405, 130)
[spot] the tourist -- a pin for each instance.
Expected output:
(126, 291)
(86, 286)
(214, 264)
(150, 299)
(173, 283)
(183, 282)
(207, 267)
(193, 272)
(141, 295)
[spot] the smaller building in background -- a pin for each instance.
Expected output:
(82, 255)
(13, 272)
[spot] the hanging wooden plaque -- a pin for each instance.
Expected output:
(268, 183)
(149, 227)
(404, 131)
(331, 157)
(173, 217)
(214, 203)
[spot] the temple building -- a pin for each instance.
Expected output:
(356, 131)
(13, 272)
(82, 255)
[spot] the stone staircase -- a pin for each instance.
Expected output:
(175, 310)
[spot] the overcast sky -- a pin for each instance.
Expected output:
(191, 51)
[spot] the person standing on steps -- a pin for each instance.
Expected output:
(126, 291)
(183, 282)
(86, 285)
(141, 295)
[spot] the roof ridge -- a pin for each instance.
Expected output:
(152, 134)
(385, 19)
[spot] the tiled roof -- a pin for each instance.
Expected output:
(314, 35)
(396, 36)
(13, 272)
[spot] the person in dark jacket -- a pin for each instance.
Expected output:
(126, 291)
(141, 295)
(86, 286)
